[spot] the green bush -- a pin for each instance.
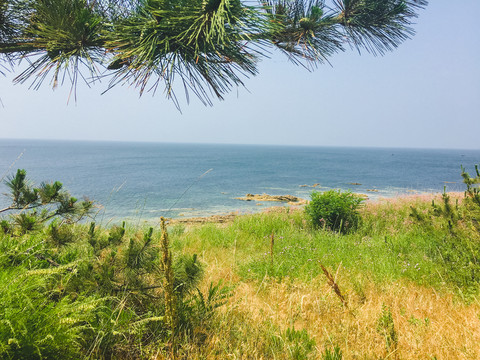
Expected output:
(335, 210)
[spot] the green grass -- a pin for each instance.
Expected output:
(389, 245)
(77, 293)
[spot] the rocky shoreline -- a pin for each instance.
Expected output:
(218, 219)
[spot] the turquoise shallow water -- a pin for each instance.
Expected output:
(148, 180)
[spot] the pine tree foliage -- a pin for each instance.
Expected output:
(473, 191)
(205, 46)
(35, 205)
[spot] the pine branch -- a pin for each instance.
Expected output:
(209, 47)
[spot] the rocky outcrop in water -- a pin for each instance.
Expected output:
(290, 199)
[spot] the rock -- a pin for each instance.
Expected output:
(303, 185)
(316, 185)
(372, 190)
(209, 219)
(354, 183)
(290, 199)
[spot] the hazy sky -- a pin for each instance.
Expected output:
(424, 94)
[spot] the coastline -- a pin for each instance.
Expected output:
(399, 200)
(137, 182)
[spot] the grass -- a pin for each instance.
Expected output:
(389, 246)
(409, 286)
(391, 261)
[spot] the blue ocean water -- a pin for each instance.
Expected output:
(144, 181)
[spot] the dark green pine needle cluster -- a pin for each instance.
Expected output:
(205, 46)
(33, 205)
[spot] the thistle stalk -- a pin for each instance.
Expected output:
(170, 299)
(272, 242)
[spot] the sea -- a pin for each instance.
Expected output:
(144, 181)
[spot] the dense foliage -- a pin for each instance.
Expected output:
(335, 210)
(203, 46)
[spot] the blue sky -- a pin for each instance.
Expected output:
(425, 94)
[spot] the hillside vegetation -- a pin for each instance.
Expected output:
(403, 283)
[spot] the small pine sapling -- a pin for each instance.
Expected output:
(473, 191)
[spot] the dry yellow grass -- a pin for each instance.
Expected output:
(399, 202)
(428, 324)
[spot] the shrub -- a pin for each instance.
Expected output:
(335, 210)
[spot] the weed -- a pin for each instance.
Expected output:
(205, 306)
(386, 328)
(299, 344)
(335, 354)
(177, 230)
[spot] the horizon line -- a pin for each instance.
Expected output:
(237, 144)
